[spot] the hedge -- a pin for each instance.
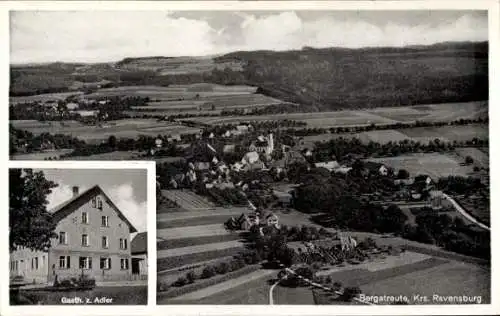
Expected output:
(203, 283)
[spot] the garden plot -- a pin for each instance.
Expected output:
(188, 199)
(435, 165)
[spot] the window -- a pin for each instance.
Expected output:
(94, 202)
(124, 264)
(85, 240)
(123, 243)
(16, 265)
(105, 242)
(63, 238)
(105, 221)
(105, 263)
(99, 204)
(85, 218)
(32, 263)
(64, 262)
(36, 263)
(85, 263)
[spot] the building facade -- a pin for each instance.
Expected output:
(93, 238)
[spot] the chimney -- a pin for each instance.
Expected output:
(75, 191)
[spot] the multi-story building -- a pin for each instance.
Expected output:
(93, 238)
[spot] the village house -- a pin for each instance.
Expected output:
(376, 168)
(71, 106)
(92, 238)
(139, 252)
(329, 165)
(285, 199)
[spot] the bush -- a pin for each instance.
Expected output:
(66, 283)
(161, 286)
(336, 286)
(181, 281)
(190, 277)
(328, 280)
(208, 272)
(350, 293)
(222, 268)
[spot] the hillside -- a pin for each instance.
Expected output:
(323, 79)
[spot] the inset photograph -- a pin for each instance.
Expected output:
(78, 236)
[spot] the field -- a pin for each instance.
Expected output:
(452, 278)
(379, 116)
(206, 104)
(114, 155)
(128, 128)
(447, 133)
(121, 295)
(42, 155)
(421, 134)
(481, 159)
(435, 165)
(173, 92)
(187, 199)
(43, 97)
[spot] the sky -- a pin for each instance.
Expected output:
(103, 36)
(127, 188)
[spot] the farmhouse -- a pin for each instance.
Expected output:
(284, 198)
(72, 106)
(139, 251)
(376, 168)
(92, 239)
(86, 113)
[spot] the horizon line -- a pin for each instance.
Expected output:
(42, 63)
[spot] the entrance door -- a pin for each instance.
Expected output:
(136, 265)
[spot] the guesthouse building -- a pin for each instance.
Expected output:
(93, 238)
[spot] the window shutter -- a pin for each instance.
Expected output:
(68, 265)
(90, 262)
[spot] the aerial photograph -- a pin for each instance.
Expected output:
(302, 157)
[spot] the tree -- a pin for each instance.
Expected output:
(403, 174)
(469, 160)
(112, 141)
(30, 225)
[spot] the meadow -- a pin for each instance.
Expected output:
(128, 128)
(420, 134)
(435, 165)
(378, 116)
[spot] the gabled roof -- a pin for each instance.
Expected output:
(372, 165)
(68, 207)
(139, 244)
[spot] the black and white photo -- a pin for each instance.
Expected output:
(305, 153)
(78, 236)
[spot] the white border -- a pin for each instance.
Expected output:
(491, 5)
(149, 167)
